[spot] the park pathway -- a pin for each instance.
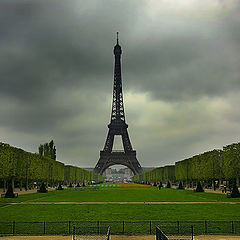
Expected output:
(118, 203)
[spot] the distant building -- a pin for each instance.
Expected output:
(89, 169)
(145, 169)
(121, 175)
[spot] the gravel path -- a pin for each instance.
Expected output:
(105, 203)
(120, 237)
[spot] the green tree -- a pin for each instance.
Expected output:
(40, 149)
(48, 150)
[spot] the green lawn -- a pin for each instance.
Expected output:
(2, 204)
(120, 212)
(123, 194)
(117, 212)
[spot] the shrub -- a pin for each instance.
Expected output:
(43, 188)
(199, 187)
(9, 193)
(235, 193)
(168, 185)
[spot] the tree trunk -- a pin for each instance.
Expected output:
(26, 188)
(4, 185)
(237, 181)
(20, 185)
(13, 184)
(213, 185)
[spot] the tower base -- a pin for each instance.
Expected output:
(108, 159)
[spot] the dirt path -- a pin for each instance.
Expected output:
(34, 190)
(209, 190)
(120, 237)
(123, 203)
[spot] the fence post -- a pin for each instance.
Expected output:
(178, 230)
(150, 227)
(232, 226)
(108, 233)
(13, 228)
(123, 227)
(98, 227)
(205, 226)
(69, 227)
(44, 227)
(157, 234)
(74, 233)
(192, 231)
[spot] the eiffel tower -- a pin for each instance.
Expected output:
(118, 126)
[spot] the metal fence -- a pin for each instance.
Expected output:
(91, 233)
(118, 227)
(160, 234)
(172, 232)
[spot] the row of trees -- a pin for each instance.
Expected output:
(75, 175)
(209, 166)
(25, 168)
(159, 174)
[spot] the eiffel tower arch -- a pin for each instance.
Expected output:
(117, 126)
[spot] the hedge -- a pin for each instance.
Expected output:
(20, 165)
(209, 166)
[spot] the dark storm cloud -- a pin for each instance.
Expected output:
(56, 66)
(48, 44)
(201, 60)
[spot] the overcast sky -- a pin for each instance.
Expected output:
(180, 72)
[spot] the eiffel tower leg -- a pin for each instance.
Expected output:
(102, 163)
(126, 141)
(109, 141)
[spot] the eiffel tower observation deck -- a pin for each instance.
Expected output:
(117, 126)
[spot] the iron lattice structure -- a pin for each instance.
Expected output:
(118, 126)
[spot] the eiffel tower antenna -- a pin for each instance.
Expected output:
(117, 126)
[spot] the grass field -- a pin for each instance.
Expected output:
(124, 194)
(216, 209)
(112, 212)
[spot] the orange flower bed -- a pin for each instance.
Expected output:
(134, 185)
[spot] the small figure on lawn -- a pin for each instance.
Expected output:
(225, 188)
(180, 186)
(59, 187)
